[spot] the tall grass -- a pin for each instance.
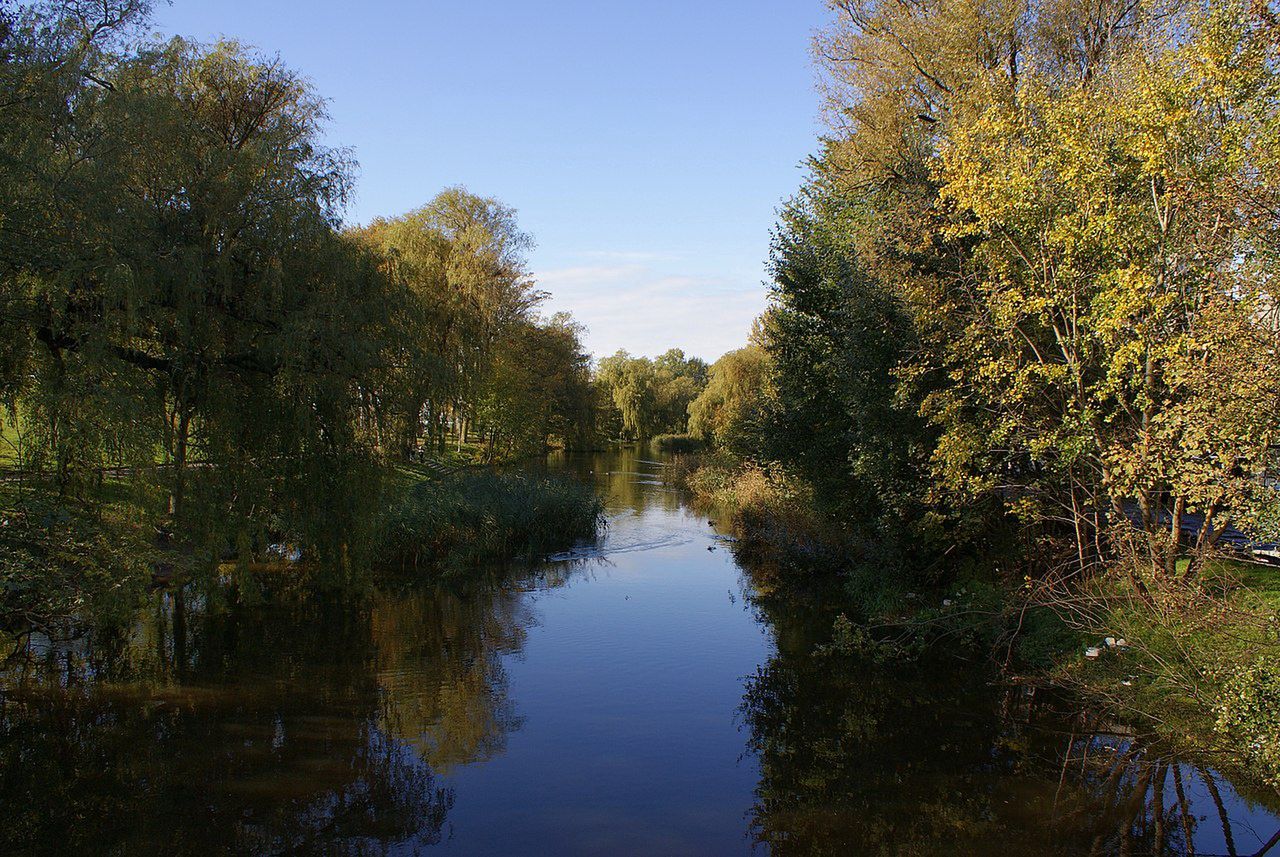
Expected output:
(771, 512)
(676, 443)
(471, 518)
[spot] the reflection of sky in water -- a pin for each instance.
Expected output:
(628, 690)
(643, 512)
(1251, 825)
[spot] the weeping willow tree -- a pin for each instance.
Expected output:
(730, 412)
(641, 396)
(538, 392)
(185, 315)
(180, 307)
(459, 263)
(203, 303)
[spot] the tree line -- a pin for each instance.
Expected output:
(1031, 279)
(642, 397)
(184, 310)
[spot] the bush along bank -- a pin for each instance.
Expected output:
(771, 513)
(469, 518)
(1194, 663)
(67, 569)
(677, 444)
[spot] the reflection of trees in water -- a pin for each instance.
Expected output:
(188, 775)
(308, 725)
(852, 762)
(1143, 801)
(865, 758)
(629, 478)
(441, 674)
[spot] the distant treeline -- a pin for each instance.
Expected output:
(643, 397)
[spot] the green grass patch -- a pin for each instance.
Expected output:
(470, 518)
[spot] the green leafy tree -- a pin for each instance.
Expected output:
(458, 263)
(731, 412)
(1044, 231)
(642, 397)
(838, 335)
(538, 392)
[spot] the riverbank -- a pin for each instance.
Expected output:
(69, 562)
(534, 707)
(1196, 664)
(471, 517)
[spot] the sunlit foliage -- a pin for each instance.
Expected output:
(730, 411)
(1032, 272)
(187, 318)
(642, 397)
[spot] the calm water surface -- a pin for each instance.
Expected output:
(645, 695)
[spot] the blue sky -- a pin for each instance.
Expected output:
(646, 146)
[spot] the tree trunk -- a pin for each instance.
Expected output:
(177, 493)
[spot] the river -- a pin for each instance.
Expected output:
(641, 695)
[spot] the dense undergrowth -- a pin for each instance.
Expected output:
(678, 444)
(59, 560)
(472, 517)
(67, 565)
(771, 513)
(1193, 661)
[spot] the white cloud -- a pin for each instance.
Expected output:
(646, 311)
(632, 256)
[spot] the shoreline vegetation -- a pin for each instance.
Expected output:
(1189, 668)
(1017, 388)
(1017, 384)
(70, 566)
(468, 518)
(206, 366)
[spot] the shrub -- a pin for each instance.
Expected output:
(676, 443)
(470, 518)
(772, 513)
(61, 565)
(1248, 716)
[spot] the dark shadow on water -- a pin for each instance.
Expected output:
(937, 757)
(304, 725)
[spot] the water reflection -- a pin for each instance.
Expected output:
(630, 479)
(594, 704)
(440, 671)
(306, 725)
(1139, 799)
(860, 757)
(640, 503)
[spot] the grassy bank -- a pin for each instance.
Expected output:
(473, 517)
(68, 564)
(1195, 663)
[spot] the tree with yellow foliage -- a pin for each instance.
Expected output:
(1076, 205)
